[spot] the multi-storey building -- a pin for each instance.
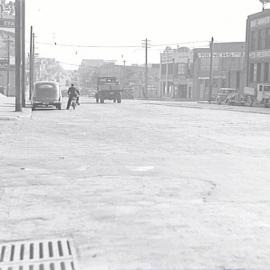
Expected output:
(228, 68)
(175, 73)
(7, 48)
(258, 49)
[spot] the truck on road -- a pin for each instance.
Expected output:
(259, 95)
(108, 88)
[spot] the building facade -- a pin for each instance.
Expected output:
(258, 49)
(175, 73)
(131, 77)
(7, 48)
(228, 68)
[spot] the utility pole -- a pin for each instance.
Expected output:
(31, 64)
(18, 55)
(167, 73)
(124, 74)
(173, 79)
(160, 77)
(146, 45)
(23, 54)
(211, 71)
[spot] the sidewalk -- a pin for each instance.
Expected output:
(207, 106)
(7, 110)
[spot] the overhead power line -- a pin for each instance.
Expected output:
(116, 46)
(179, 43)
(87, 46)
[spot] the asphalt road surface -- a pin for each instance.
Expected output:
(141, 185)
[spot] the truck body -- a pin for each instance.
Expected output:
(259, 95)
(108, 88)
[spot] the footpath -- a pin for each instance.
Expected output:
(7, 110)
(207, 106)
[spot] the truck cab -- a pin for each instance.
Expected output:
(263, 94)
(108, 88)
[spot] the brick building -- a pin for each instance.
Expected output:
(175, 74)
(228, 68)
(7, 48)
(258, 49)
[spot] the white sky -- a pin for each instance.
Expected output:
(127, 22)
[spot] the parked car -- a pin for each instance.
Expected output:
(45, 94)
(235, 99)
(223, 93)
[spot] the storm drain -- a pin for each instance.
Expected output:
(38, 255)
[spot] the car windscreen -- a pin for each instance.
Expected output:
(46, 91)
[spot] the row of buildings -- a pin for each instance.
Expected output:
(184, 73)
(7, 47)
(130, 77)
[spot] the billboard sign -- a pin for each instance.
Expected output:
(265, 1)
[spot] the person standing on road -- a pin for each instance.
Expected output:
(72, 93)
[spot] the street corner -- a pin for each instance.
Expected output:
(26, 113)
(8, 118)
(14, 116)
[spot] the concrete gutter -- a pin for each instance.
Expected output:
(13, 116)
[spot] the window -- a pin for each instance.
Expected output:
(253, 41)
(266, 72)
(267, 38)
(259, 72)
(259, 41)
(163, 69)
(263, 40)
(181, 68)
(170, 68)
(251, 73)
(238, 79)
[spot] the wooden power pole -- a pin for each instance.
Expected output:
(146, 45)
(18, 55)
(23, 76)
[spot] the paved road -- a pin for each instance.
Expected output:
(140, 185)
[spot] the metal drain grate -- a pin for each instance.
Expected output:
(56, 254)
